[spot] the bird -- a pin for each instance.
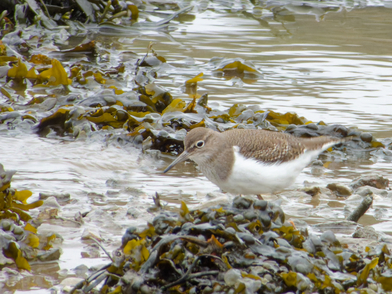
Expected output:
(251, 161)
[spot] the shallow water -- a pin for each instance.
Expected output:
(328, 62)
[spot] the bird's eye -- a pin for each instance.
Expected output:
(199, 144)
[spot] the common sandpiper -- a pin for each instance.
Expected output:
(249, 161)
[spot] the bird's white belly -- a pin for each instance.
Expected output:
(250, 176)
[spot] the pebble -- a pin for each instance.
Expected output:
(250, 215)
(62, 197)
(260, 204)
(51, 201)
(367, 137)
(232, 276)
(367, 233)
(238, 218)
(369, 190)
(373, 180)
(6, 225)
(70, 282)
(312, 191)
(242, 202)
(312, 126)
(91, 252)
(291, 127)
(134, 212)
(50, 255)
(340, 189)
(18, 230)
(91, 233)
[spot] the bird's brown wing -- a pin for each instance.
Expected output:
(271, 147)
(266, 146)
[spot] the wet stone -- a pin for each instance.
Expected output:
(265, 220)
(260, 204)
(340, 190)
(91, 233)
(329, 237)
(312, 191)
(6, 225)
(70, 282)
(92, 251)
(18, 230)
(62, 197)
(339, 129)
(134, 212)
(163, 222)
(51, 202)
(250, 215)
(367, 233)
(134, 191)
(50, 255)
(317, 163)
(312, 126)
(369, 190)
(337, 226)
(242, 203)
(4, 260)
(366, 137)
(374, 180)
(291, 127)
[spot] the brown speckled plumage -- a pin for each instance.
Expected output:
(272, 147)
(215, 154)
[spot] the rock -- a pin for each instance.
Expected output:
(366, 137)
(6, 225)
(92, 251)
(18, 230)
(367, 233)
(337, 227)
(369, 190)
(9, 278)
(134, 191)
(318, 162)
(364, 191)
(81, 270)
(50, 255)
(50, 202)
(238, 218)
(62, 197)
(134, 212)
(250, 215)
(70, 282)
(260, 204)
(91, 233)
(232, 276)
(312, 126)
(5, 260)
(242, 202)
(312, 191)
(339, 190)
(373, 180)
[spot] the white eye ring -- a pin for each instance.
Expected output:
(199, 144)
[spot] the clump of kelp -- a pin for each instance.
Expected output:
(76, 98)
(149, 114)
(83, 14)
(246, 247)
(19, 241)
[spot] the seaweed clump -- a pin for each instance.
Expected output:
(246, 247)
(19, 241)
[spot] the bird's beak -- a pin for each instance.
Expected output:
(183, 156)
